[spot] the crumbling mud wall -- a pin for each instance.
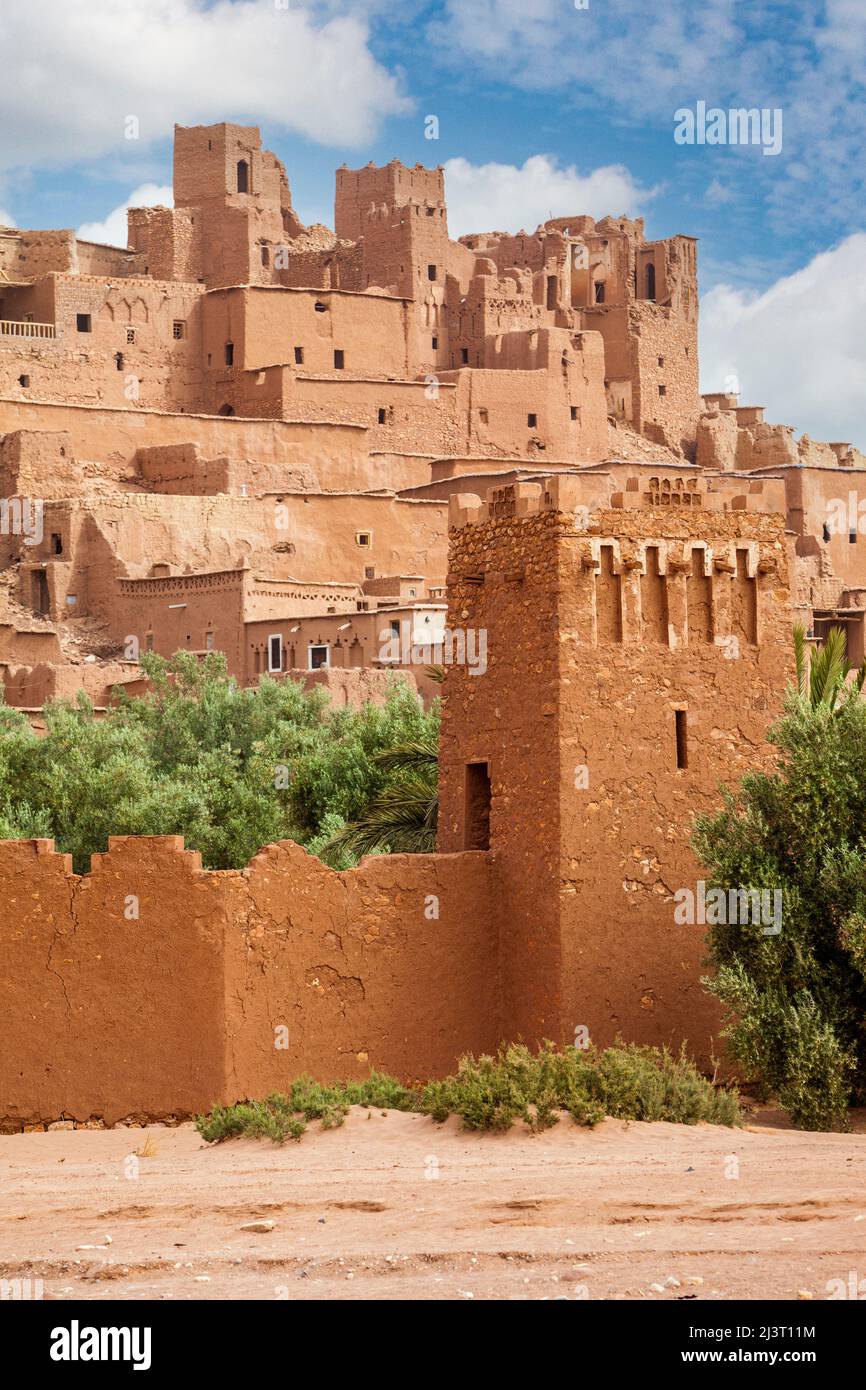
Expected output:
(150, 987)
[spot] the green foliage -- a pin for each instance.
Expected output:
(229, 769)
(797, 1001)
(402, 818)
(824, 680)
(286, 1117)
(490, 1093)
(627, 1082)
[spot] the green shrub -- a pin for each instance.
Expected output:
(491, 1093)
(796, 1001)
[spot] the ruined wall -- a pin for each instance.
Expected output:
(108, 1015)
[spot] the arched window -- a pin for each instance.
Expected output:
(226, 410)
(243, 176)
(650, 281)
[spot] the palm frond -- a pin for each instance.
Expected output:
(828, 670)
(401, 820)
(417, 757)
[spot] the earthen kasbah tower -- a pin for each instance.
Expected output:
(286, 443)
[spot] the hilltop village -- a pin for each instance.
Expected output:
(242, 434)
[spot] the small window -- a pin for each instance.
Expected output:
(483, 416)
(275, 652)
(682, 735)
(599, 291)
(148, 642)
(825, 534)
(339, 359)
(431, 272)
(56, 544)
(208, 641)
(435, 342)
(243, 176)
(661, 361)
(130, 335)
(318, 657)
(852, 537)
(411, 593)
(476, 820)
(24, 381)
(663, 390)
(319, 307)
(382, 414)
(178, 330)
(464, 355)
(266, 256)
(210, 359)
(118, 361)
(532, 420)
(364, 538)
(82, 323)
(573, 412)
(299, 356)
(230, 354)
(650, 281)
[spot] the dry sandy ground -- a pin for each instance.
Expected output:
(393, 1206)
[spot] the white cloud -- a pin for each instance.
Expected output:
(503, 197)
(641, 61)
(112, 231)
(6, 219)
(718, 193)
(73, 72)
(798, 348)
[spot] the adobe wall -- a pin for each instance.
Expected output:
(108, 1015)
(333, 453)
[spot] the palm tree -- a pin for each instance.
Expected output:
(402, 818)
(824, 677)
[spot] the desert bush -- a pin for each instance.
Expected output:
(490, 1093)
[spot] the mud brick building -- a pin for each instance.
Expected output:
(242, 434)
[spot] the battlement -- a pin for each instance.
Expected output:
(646, 489)
(364, 193)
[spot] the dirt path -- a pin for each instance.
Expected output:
(393, 1206)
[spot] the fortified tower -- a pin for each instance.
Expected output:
(232, 210)
(635, 654)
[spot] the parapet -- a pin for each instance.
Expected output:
(646, 487)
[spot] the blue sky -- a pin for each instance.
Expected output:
(543, 108)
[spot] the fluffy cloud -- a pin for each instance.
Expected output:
(503, 197)
(73, 72)
(6, 219)
(798, 348)
(112, 231)
(642, 61)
